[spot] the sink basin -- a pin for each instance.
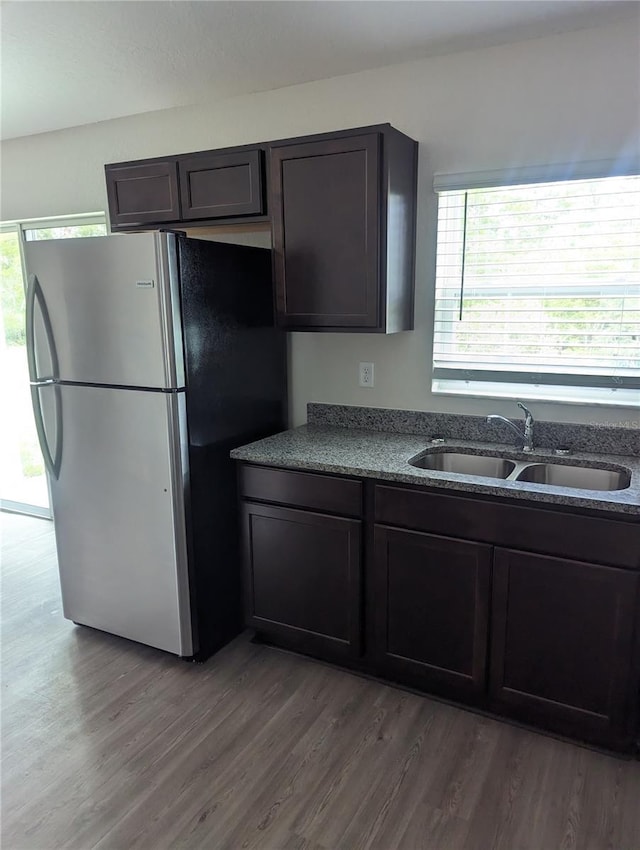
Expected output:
(587, 478)
(490, 467)
(554, 474)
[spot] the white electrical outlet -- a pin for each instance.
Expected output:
(366, 374)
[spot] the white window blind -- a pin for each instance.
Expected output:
(539, 284)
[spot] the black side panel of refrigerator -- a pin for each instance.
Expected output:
(236, 392)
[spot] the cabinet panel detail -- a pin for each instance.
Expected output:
(302, 489)
(302, 577)
(221, 185)
(143, 193)
(326, 231)
(432, 602)
(334, 282)
(558, 533)
(562, 642)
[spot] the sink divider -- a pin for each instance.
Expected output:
(520, 466)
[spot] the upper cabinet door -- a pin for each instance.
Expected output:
(142, 193)
(325, 207)
(221, 185)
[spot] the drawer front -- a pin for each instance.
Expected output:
(221, 185)
(521, 527)
(144, 193)
(302, 489)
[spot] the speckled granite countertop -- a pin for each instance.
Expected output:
(384, 455)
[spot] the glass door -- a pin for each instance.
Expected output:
(23, 480)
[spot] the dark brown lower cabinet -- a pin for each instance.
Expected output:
(432, 610)
(562, 649)
(302, 578)
(547, 638)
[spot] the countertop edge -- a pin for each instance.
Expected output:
(276, 451)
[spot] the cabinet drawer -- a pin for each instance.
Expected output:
(221, 185)
(302, 489)
(566, 535)
(142, 193)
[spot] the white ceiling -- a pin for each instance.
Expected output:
(70, 62)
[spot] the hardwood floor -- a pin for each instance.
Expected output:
(108, 744)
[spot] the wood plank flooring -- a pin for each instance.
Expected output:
(110, 745)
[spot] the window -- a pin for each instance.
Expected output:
(538, 291)
(65, 231)
(23, 483)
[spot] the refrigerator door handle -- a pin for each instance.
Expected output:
(35, 294)
(52, 462)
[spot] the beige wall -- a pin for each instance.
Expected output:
(557, 99)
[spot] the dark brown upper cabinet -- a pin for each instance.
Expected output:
(343, 216)
(142, 193)
(210, 186)
(343, 211)
(214, 185)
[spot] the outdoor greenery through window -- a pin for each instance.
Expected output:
(66, 231)
(538, 291)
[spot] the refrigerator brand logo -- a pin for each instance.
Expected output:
(145, 284)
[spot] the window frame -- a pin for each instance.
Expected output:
(540, 384)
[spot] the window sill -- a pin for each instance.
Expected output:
(596, 397)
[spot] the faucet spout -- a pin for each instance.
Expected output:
(528, 428)
(526, 436)
(494, 417)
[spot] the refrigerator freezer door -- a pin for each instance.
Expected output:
(119, 512)
(113, 310)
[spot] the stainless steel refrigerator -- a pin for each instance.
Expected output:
(151, 355)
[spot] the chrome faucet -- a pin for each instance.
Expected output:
(526, 435)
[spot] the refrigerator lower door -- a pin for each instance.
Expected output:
(119, 512)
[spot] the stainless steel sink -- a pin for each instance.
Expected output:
(552, 474)
(465, 464)
(584, 477)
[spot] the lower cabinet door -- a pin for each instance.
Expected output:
(432, 604)
(302, 578)
(562, 654)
